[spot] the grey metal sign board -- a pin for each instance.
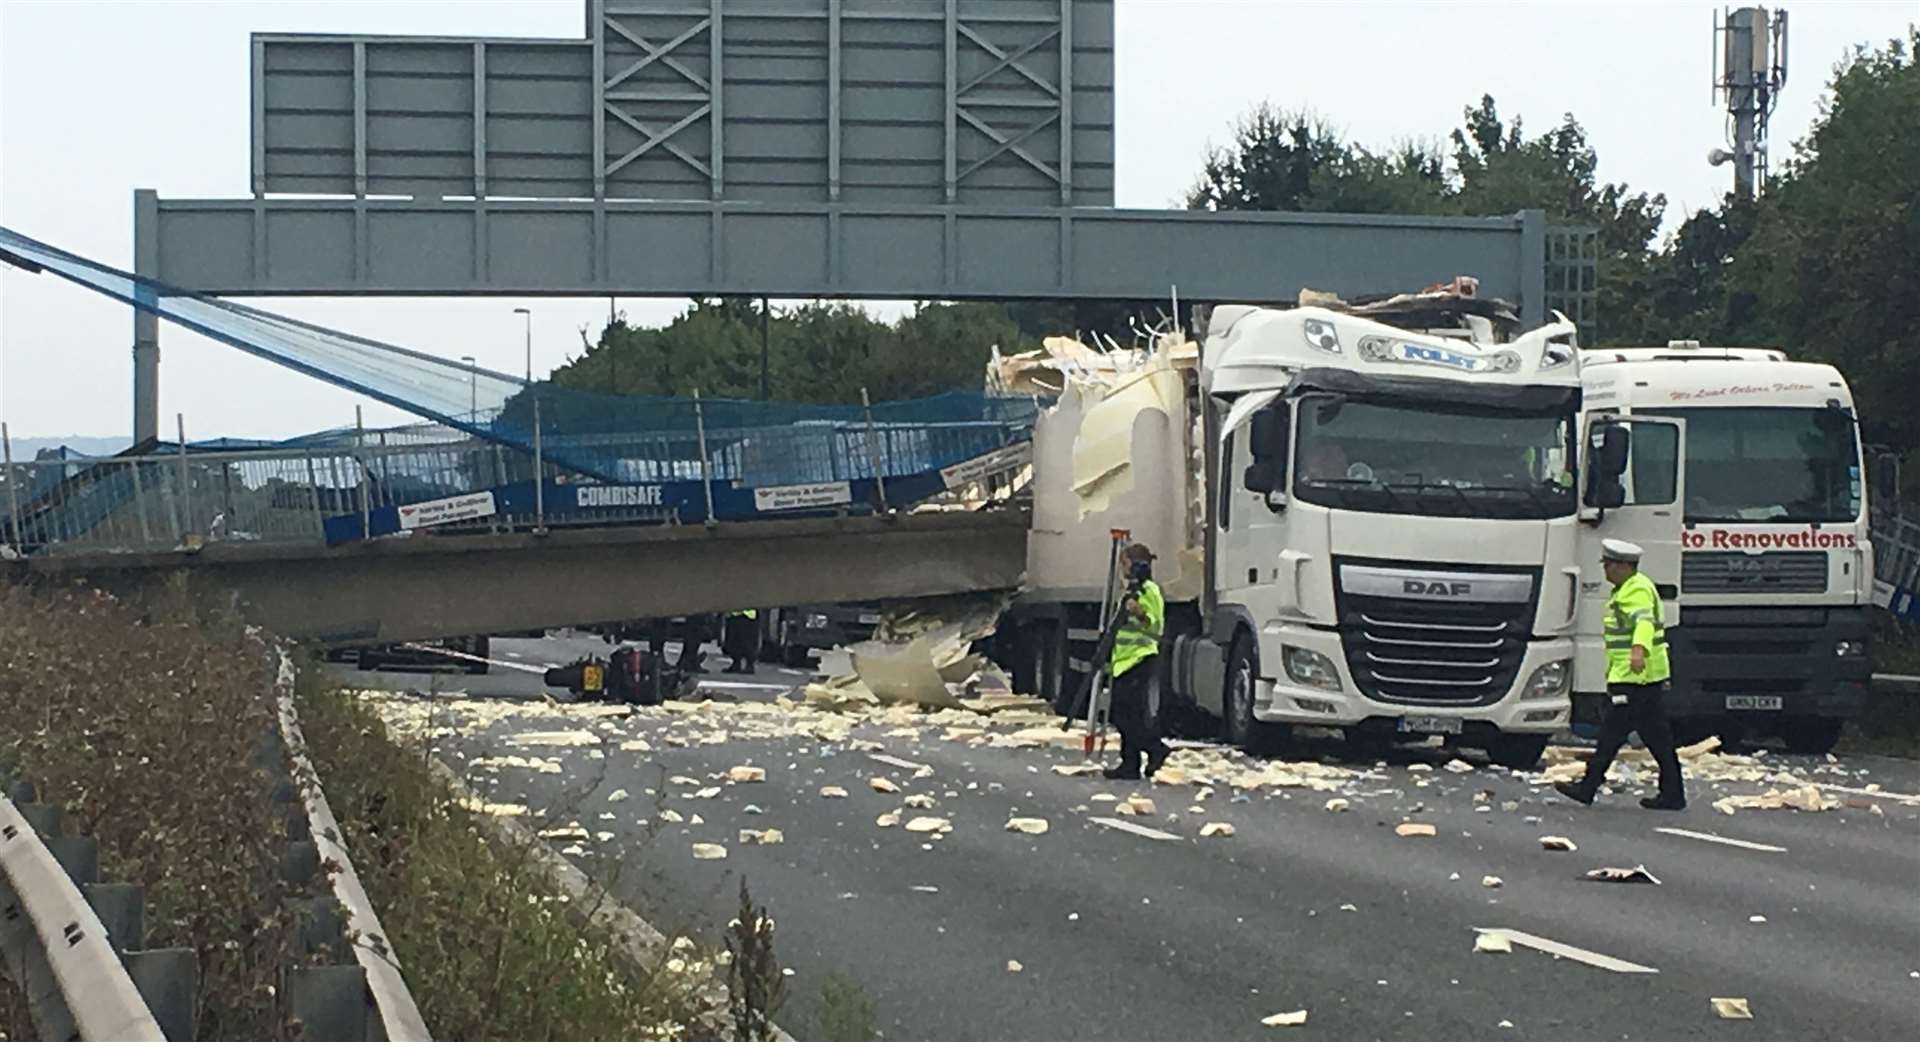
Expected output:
(968, 102)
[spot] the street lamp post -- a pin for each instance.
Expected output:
(473, 387)
(529, 317)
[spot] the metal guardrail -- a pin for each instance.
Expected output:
(330, 997)
(185, 497)
(49, 928)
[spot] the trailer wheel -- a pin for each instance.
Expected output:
(1242, 729)
(1812, 735)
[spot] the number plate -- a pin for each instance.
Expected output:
(1753, 701)
(1430, 724)
(591, 678)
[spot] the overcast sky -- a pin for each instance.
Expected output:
(100, 98)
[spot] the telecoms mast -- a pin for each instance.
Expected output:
(1750, 67)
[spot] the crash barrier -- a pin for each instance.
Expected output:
(366, 998)
(73, 944)
(1896, 562)
(354, 484)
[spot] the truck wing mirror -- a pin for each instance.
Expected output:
(1606, 462)
(1261, 476)
(1268, 437)
(1886, 479)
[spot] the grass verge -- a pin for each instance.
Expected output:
(144, 724)
(490, 951)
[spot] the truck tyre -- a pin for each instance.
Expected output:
(1520, 752)
(1813, 735)
(480, 647)
(1242, 730)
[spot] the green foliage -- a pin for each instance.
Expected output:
(1833, 262)
(1283, 160)
(144, 722)
(755, 986)
(846, 1014)
(817, 352)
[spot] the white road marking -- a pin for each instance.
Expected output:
(796, 672)
(1729, 841)
(1873, 794)
(744, 685)
(1567, 951)
(895, 761)
(1138, 830)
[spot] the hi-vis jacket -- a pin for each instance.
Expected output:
(1633, 617)
(1138, 641)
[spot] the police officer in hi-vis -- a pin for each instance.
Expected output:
(1637, 673)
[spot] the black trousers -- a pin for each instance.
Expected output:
(1644, 711)
(1132, 716)
(740, 639)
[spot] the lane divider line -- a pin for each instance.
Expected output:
(1567, 951)
(1873, 794)
(1728, 840)
(1138, 830)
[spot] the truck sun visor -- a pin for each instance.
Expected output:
(1520, 399)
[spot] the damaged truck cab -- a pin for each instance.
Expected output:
(1359, 526)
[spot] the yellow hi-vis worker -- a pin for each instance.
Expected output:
(1143, 617)
(1637, 675)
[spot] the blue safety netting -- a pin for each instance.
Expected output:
(610, 437)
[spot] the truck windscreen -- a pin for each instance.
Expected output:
(1770, 464)
(1394, 458)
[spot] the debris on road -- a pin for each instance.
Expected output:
(498, 810)
(672, 816)
(1492, 882)
(1286, 1020)
(1030, 826)
(1756, 918)
(1136, 807)
(569, 831)
(888, 820)
(918, 769)
(1806, 797)
(832, 792)
(1170, 776)
(1337, 805)
(1074, 769)
(744, 775)
(521, 762)
(930, 824)
(553, 738)
(1560, 843)
(922, 888)
(920, 801)
(1731, 1009)
(1458, 766)
(1612, 874)
(1013, 966)
(1216, 828)
(616, 795)
(762, 837)
(705, 794)
(882, 785)
(709, 852)
(1492, 943)
(1415, 828)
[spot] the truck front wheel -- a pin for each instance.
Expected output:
(1521, 752)
(1812, 735)
(1242, 730)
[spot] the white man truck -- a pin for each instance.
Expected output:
(1358, 526)
(1776, 574)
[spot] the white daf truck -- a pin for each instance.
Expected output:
(1776, 574)
(1358, 525)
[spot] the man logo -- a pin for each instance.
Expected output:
(1321, 334)
(1437, 588)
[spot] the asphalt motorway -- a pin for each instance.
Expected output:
(1814, 919)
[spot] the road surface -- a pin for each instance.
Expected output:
(1814, 918)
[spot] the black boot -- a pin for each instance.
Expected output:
(1155, 760)
(1664, 802)
(1577, 793)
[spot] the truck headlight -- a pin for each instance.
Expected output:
(816, 622)
(1849, 648)
(1549, 681)
(1309, 667)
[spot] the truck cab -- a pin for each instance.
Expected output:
(1776, 572)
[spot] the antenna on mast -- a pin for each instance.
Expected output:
(1750, 69)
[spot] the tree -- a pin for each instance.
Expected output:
(1283, 160)
(1833, 263)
